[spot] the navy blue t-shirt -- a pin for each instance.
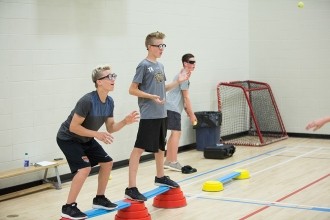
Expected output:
(93, 110)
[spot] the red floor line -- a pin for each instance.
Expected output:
(294, 192)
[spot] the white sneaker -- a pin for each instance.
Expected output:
(176, 166)
(166, 164)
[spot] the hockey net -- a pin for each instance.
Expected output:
(249, 114)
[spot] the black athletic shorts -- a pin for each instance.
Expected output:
(173, 121)
(81, 155)
(151, 135)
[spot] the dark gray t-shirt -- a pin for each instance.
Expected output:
(151, 79)
(93, 110)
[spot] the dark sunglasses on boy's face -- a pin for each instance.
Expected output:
(191, 61)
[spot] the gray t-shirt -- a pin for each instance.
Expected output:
(151, 79)
(93, 110)
(174, 98)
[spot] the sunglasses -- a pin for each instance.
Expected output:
(111, 76)
(160, 46)
(191, 61)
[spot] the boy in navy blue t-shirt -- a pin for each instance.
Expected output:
(76, 138)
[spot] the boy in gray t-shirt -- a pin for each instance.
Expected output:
(149, 86)
(177, 100)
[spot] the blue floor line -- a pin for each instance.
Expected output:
(321, 209)
(229, 165)
(314, 208)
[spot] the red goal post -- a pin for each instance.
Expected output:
(250, 115)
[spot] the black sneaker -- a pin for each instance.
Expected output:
(71, 211)
(101, 202)
(134, 194)
(166, 181)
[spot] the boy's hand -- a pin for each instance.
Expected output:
(193, 119)
(132, 117)
(157, 99)
(105, 137)
(315, 125)
(183, 75)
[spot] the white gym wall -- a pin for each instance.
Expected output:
(290, 50)
(49, 47)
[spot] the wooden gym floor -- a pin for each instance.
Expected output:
(290, 179)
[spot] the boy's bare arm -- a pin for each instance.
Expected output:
(134, 90)
(188, 106)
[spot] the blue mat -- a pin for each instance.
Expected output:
(155, 192)
(229, 177)
(96, 212)
(122, 204)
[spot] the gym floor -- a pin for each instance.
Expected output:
(289, 179)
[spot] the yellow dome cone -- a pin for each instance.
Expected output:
(212, 186)
(245, 174)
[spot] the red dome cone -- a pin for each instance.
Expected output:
(173, 198)
(136, 211)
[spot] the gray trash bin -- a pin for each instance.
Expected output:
(207, 129)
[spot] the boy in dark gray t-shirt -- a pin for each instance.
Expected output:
(76, 138)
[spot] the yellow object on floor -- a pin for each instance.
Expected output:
(212, 186)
